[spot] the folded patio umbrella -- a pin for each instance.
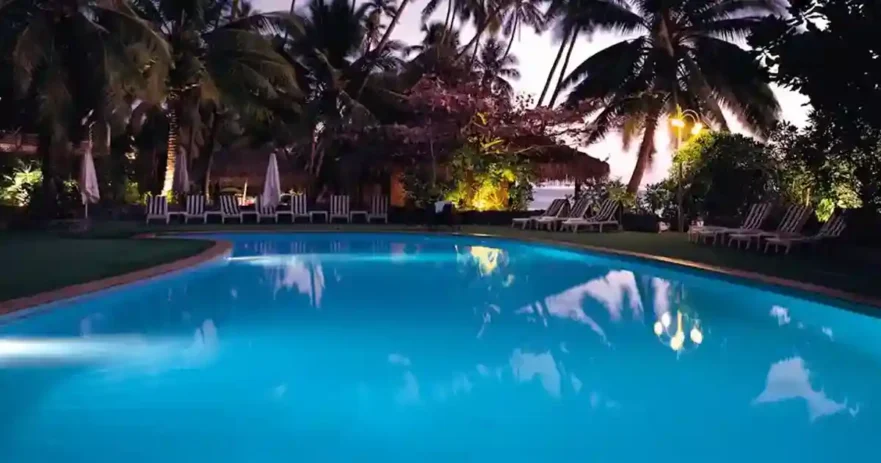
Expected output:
(88, 180)
(272, 185)
(181, 176)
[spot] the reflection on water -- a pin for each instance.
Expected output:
(487, 258)
(431, 349)
(306, 274)
(674, 335)
(790, 379)
(526, 366)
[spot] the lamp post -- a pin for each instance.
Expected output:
(679, 123)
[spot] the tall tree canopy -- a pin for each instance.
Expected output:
(682, 56)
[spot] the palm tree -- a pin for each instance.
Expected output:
(682, 58)
(335, 72)
(486, 15)
(218, 58)
(496, 66)
(376, 10)
(391, 27)
(75, 60)
(572, 17)
(450, 16)
(519, 13)
(435, 36)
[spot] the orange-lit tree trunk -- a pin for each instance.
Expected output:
(171, 151)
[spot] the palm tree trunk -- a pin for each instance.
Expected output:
(447, 23)
(511, 41)
(171, 151)
(391, 27)
(646, 149)
(48, 205)
(559, 86)
(544, 90)
(474, 53)
(474, 40)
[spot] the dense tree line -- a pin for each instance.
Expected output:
(175, 81)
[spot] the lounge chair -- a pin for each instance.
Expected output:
(757, 214)
(694, 232)
(298, 208)
(606, 216)
(556, 207)
(378, 209)
(265, 211)
(831, 229)
(339, 208)
(229, 209)
(581, 207)
(157, 209)
(791, 224)
(195, 208)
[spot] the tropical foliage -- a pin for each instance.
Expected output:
(681, 57)
(828, 50)
(157, 83)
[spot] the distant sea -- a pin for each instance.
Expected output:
(543, 195)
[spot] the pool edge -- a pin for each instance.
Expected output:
(793, 287)
(218, 249)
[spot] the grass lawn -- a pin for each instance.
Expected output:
(37, 262)
(45, 262)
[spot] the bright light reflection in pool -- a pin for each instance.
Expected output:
(401, 348)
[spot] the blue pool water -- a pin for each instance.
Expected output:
(403, 348)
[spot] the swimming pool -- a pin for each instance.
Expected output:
(387, 347)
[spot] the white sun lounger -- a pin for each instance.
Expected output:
(757, 214)
(265, 211)
(831, 229)
(195, 208)
(298, 208)
(157, 209)
(695, 232)
(579, 209)
(606, 216)
(554, 209)
(378, 209)
(339, 208)
(791, 224)
(229, 209)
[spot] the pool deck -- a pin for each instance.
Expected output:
(852, 301)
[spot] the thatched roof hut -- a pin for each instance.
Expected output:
(235, 167)
(555, 162)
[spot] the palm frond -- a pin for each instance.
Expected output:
(602, 75)
(706, 98)
(725, 9)
(739, 83)
(726, 29)
(270, 23)
(32, 49)
(429, 9)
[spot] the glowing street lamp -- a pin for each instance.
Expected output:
(679, 123)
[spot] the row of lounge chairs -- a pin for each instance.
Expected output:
(787, 234)
(559, 216)
(297, 207)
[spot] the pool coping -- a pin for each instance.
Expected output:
(218, 249)
(221, 247)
